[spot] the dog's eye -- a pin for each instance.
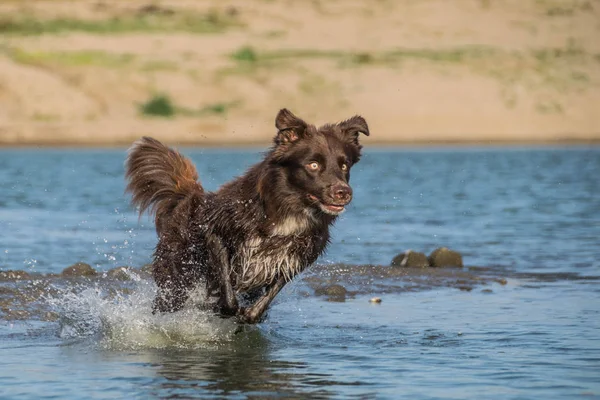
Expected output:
(313, 166)
(344, 167)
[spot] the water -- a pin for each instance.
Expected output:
(526, 324)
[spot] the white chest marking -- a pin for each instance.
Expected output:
(257, 266)
(291, 226)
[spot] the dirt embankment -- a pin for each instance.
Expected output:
(216, 72)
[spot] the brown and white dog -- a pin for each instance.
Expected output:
(249, 238)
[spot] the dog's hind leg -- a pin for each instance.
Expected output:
(175, 274)
(169, 300)
(254, 314)
(174, 285)
(219, 260)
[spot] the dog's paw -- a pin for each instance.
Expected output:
(224, 312)
(244, 315)
(249, 316)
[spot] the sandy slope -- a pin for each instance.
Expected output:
(424, 71)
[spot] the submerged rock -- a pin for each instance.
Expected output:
(79, 269)
(119, 273)
(14, 275)
(146, 269)
(334, 292)
(444, 257)
(411, 259)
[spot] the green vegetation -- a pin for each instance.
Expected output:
(275, 34)
(43, 117)
(217, 108)
(488, 60)
(74, 58)
(140, 21)
(548, 69)
(549, 107)
(245, 54)
(86, 59)
(564, 8)
(160, 105)
(159, 65)
(249, 55)
(452, 55)
(571, 52)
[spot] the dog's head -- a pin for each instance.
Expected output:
(317, 161)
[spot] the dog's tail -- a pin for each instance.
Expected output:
(159, 177)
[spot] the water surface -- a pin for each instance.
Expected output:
(530, 217)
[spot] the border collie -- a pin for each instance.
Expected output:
(256, 233)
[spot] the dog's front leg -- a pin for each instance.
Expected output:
(227, 303)
(253, 314)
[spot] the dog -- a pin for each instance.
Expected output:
(256, 233)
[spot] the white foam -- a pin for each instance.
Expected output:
(125, 321)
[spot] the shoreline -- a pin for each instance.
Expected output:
(258, 145)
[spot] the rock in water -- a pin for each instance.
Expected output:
(412, 259)
(334, 292)
(119, 273)
(444, 257)
(146, 269)
(79, 269)
(13, 275)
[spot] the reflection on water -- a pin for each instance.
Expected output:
(243, 365)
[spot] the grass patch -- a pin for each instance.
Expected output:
(76, 58)
(245, 54)
(560, 11)
(159, 65)
(549, 107)
(211, 109)
(579, 76)
(467, 55)
(42, 117)
(160, 105)
(564, 8)
(275, 34)
(556, 54)
(217, 108)
(249, 58)
(175, 21)
(249, 55)
(455, 55)
(86, 59)
(563, 69)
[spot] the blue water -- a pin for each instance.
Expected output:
(532, 215)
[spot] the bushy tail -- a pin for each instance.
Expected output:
(159, 177)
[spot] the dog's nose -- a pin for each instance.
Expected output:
(342, 193)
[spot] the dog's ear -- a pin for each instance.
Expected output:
(290, 128)
(352, 127)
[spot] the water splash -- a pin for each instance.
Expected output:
(124, 320)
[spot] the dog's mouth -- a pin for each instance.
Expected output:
(328, 208)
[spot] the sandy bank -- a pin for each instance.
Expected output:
(425, 72)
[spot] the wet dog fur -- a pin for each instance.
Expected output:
(249, 238)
